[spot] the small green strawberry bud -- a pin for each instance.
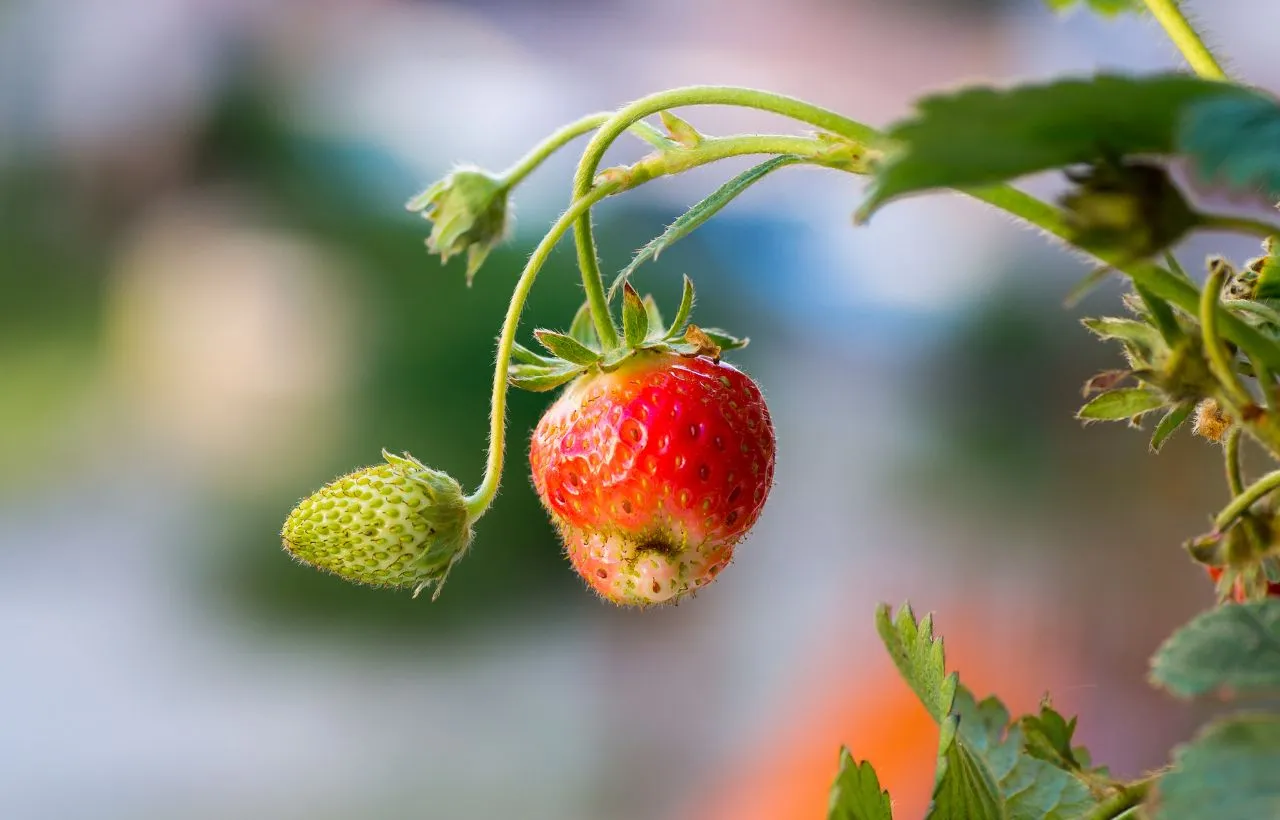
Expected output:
(1132, 209)
(468, 209)
(399, 524)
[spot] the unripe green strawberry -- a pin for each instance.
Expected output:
(654, 472)
(399, 524)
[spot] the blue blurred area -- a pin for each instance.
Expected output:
(214, 301)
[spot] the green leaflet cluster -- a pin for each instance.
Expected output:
(989, 766)
(571, 354)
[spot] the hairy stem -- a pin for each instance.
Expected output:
(561, 137)
(1235, 477)
(1238, 224)
(480, 500)
(1246, 499)
(588, 260)
(1220, 361)
(1186, 38)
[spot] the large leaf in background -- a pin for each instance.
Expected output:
(1232, 649)
(983, 771)
(1229, 772)
(982, 136)
(1235, 138)
(1107, 8)
(856, 794)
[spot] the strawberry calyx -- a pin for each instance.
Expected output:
(569, 355)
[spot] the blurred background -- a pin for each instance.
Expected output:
(212, 302)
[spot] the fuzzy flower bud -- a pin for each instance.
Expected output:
(468, 209)
(399, 524)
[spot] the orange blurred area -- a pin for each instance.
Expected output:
(789, 772)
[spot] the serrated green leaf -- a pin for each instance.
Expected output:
(1121, 405)
(564, 346)
(725, 340)
(656, 327)
(1169, 424)
(1233, 648)
(540, 378)
(1142, 334)
(523, 355)
(1048, 735)
(701, 212)
(1229, 772)
(1235, 138)
(1032, 788)
(856, 794)
(963, 785)
(676, 329)
(919, 658)
(983, 136)
(983, 773)
(635, 320)
(583, 327)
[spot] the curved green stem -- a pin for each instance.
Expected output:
(1246, 499)
(480, 500)
(1220, 361)
(1186, 38)
(1235, 477)
(561, 137)
(588, 261)
(1128, 797)
(652, 167)
(1238, 224)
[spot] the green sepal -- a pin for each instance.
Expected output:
(682, 313)
(1125, 404)
(523, 355)
(583, 327)
(565, 347)
(1141, 340)
(680, 131)
(541, 378)
(655, 330)
(635, 320)
(614, 358)
(1169, 424)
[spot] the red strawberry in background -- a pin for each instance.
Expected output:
(653, 472)
(1237, 590)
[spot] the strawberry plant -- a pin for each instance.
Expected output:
(657, 457)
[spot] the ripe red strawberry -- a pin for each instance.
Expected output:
(654, 472)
